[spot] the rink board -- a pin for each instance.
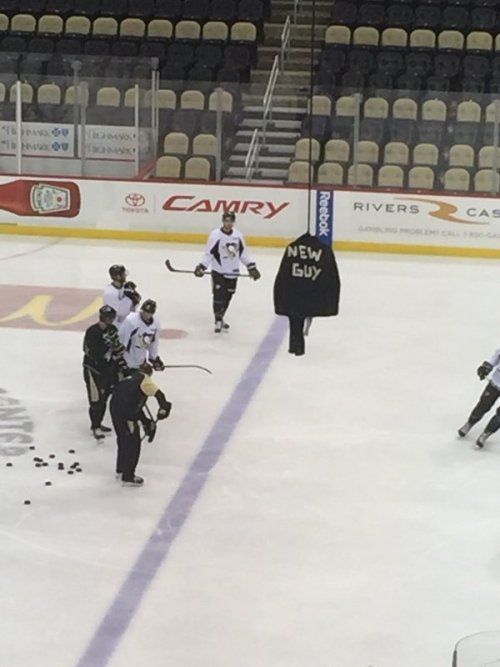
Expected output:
(401, 222)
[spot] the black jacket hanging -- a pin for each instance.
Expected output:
(308, 281)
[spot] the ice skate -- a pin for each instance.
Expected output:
(218, 327)
(105, 429)
(225, 326)
(463, 430)
(97, 433)
(482, 439)
(135, 481)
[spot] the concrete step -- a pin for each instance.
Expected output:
(273, 126)
(298, 33)
(278, 113)
(271, 136)
(283, 97)
(290, 77)
(281, 5)
(276, 124)
(287, 151)
(266, 173)
(265, 63)
(322, 15)
(266, 158)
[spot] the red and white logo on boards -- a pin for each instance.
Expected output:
(266, 209)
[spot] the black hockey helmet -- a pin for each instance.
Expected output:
(106, 313)
(149, 306)
(117, 271)
(229, 216)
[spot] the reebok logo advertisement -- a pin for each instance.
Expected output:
(324, 216)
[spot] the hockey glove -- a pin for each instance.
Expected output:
(164, 412)
(149, 429)
(134, 296)
(158, 364)
(484, 370)
(253, 271)
(199, 271)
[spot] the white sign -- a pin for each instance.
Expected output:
(110, 143)
(174, 208)
(412, 219)
(38, 139)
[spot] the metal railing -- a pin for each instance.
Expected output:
(252, 157)
(258, 141)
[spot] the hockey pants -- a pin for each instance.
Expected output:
(486, 401)
(128, 440)
(222, 291)
(98, 390)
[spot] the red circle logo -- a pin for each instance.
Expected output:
(135, 200)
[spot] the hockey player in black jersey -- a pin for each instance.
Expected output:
(103, 360)
(127, 409)
(224, 251)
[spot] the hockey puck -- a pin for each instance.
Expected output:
(52, 456)
(70, 472)
(32, 447)
(27, 502)
(38, 465)
(60, 466)
(79, 470)
(36, 459)
(71, 451)
(9, 464)
(48, 483)
(45, 464)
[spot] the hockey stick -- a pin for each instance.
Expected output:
(202, 368)
(207, 273)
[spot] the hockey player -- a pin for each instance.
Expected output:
(121, 294)
(140, 336)
(127, 410)
(486, 401)
(103, 359)
(224, 251)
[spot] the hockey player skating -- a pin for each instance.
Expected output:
(140, 336)
(224, 251)
(103, 360)
(128, 409)
(486, 401)
(121, 294)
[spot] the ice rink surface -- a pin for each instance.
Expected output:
(297, 512)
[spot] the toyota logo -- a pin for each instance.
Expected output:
(135, 200)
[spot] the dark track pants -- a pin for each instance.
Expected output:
(128, 440)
